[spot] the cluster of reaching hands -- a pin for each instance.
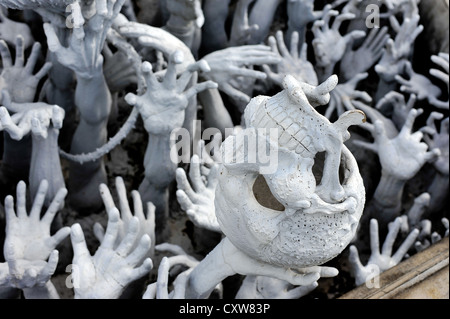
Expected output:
(249, 59)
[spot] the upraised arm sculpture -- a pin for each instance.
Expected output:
(18, 84)
(401, 157)
(44, 122)
(83, 56)
(397, 53)
(162, 108)
(329, 45)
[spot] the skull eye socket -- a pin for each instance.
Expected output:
(264, 196)
(317, 169)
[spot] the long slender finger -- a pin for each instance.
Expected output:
(137, 205)
(10, 214)
(59, 236)
(20, 52)
(107, 198)
(55, 206)
(79, 246)
(32, 59)
(281, 45)
(442, 61)
(439, 75)
(52, 39)
(170, 78)
(124, 206)
(194, 174)
(404, 247)
(272, 42)
(21, 199)
(200, 87)
(99, 231)
(183, 183)
(391, 237)
(409, 123)
(324, 271)
(294, 45)
(149, 76)
(5, 54)
(184, 201)
(163, 279)
(234, 93)
(38, 201)
(112, 229)
(353, 258)
(374, 240)
(43, 71)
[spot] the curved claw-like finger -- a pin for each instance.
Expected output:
(200, 87)
(56, 204)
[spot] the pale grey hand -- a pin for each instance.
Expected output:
(228, 64)
(146, 221)
(17, 78)
(29, 234)
(360, 60)
(404, 155)
(241, 31)
(163, 105)
(292, 62)
(197, 198)
(380, 260)
(106, 274)
(417, 84)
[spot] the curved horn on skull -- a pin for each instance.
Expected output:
(347, 119)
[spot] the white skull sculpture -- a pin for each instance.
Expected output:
(320, 214)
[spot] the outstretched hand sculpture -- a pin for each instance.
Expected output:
(29, 248)
(106, 274)
(162, 108)
(380, 261)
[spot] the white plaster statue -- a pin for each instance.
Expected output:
(285, 244)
